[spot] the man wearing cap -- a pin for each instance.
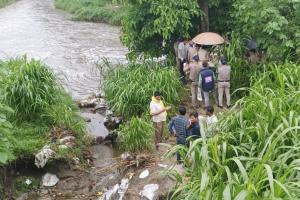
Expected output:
(206, 82)
(194, 68)
(223, 72)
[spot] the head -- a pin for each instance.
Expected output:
(194, 116)
(157, 95)
(210, 110)
(223, 61)
(196, 58)
(182, 110)
(205, 64)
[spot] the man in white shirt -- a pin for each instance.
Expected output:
(208, 123)
(159, 115)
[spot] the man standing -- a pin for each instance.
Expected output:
(178, 127)
(194, 68)
(206, 82)
(159, 115)
(182, 56)
(192, 51)
(194, 127)
(223, 72)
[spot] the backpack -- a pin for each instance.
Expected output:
(208, 83)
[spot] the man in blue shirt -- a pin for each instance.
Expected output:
(178, 127)
(194, 127)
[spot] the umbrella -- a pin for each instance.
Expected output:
(208, 38)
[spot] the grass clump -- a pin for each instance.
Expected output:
(39, 103)
(94, 10)
(256, 155)
(129, 89)
(5, 2)
(136, 135)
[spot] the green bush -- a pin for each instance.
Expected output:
(39, 103)
(256, 155)
(29, 87)
(137, 135)
(5, 2)
(129, 89)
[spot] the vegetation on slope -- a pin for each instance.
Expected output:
(256, 154)
(93, 10)
(5, 2)
(32, 103)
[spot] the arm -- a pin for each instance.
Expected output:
(171, 127)
(154, 110)
(158, 112)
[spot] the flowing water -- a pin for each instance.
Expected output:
(71, 49)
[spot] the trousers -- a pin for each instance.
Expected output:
(224, 87)
(159, 129)
(194, 91)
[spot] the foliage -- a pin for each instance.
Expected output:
(5, 2)
(5, 135)
(29, 87)
(129, 89)
(256, 156)
(39, 104)
(137, 135)
(151, 27)
(274, 24)
(94, 10)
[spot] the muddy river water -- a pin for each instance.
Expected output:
(71, 49)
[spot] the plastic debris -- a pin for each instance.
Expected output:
(28, 181)
(149, 191)
(130, 175)
(163, 166)
(123, 188)
(49, 180)
(144, 174)
(43, 156)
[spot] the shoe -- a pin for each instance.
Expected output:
(229, 106)
(220, 106)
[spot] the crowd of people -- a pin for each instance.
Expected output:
(180, 126)
(206, 79)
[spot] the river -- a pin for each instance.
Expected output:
(70, 48)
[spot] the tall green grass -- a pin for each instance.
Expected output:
(39, 103)
(137, 135)
(129, 89)
(256, 155)
(5, 2)
(94, 10)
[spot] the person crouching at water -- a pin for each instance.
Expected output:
(159, 115)
(178, 127)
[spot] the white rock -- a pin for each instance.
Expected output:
(49, 180)
(144, 174)
(149, 191)
(66, 139)
(43, 156)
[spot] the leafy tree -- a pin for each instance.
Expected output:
(274, 24)
(151, 26)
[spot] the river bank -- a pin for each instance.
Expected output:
(94, 10)
(5, 2)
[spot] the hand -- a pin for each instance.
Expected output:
(167, 108)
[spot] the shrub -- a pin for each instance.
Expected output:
(137, 135)
(29, 87)
(256, 156)
(129, 89)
